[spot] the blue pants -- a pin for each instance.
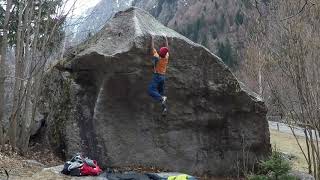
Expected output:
(156, 87)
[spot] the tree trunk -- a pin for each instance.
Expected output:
(2, 102)
(18, 85)
(3, 68)
(25, 120)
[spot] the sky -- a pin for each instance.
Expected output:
(79, 6)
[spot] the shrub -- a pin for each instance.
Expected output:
(258, 177)
(274, 168)
(266, 177)
(276, 165)
(239, 18)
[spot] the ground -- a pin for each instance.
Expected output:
(286, 143)
(20, 167)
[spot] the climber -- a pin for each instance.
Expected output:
(160, 61)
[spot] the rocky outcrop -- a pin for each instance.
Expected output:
(95, 102)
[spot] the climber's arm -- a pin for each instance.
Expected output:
(153, 50)
(167, 44)
(155, 56)
(152, 44)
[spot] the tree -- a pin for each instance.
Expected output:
(4, 45)
(287, 50)
(35, 31)
(225, 51)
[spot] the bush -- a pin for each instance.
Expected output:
(239, 18)
(274, 168)
(258, 177)
(265, 177)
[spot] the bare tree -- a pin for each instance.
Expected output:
(289, 48)
(4, 48)
(37, 36)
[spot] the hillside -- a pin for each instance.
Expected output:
(221, 26)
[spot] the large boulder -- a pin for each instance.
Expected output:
(95, 101)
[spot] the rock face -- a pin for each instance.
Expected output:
(95, 101)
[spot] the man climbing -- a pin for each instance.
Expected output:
(160, 61)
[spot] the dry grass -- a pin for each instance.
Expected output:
(286, 143)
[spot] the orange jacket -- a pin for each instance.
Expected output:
(161, 65)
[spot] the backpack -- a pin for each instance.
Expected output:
(90, 169)
(80, 166)
(71, 169)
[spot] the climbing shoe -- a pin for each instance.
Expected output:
(164, 100)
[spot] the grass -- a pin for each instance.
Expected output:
(286, 143)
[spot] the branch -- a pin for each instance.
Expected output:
(7, 174)
(301, 10)
(17, 78)
(256, 2)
